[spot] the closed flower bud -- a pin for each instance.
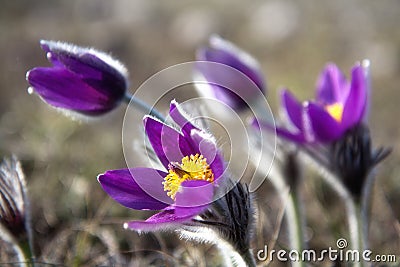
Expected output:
(14, 213)
(81, 80)
(353, 158)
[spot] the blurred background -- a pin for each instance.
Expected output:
(74, 221)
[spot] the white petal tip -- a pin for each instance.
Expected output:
(366, 63)
(27, 75)
(30, 90)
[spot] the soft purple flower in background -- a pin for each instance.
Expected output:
(82, 80)
(336, 118)
(339, 106)
(224, 52)
(193, 169)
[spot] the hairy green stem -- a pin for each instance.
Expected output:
(354, 223)
(248, 258)
(351, 212)
(27, 252)
(142, 106)
(22, 250)
(296, 228)
(365, 208)
(234, 258)
(293, 213)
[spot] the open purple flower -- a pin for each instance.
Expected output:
(224, 52)
(81, 79)
(193, 169)
(339, 106)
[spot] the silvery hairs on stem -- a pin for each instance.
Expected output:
(229, 222)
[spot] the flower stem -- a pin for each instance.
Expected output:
(357, 213)
(27, 252)
(351, 211)
(293, 210)
(21, 249)
(365, 208)
(142, 106)
(292, 173)
(354, 222)
(248, 258)
(296, 227)
(234, 258)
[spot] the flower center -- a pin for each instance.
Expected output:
(335, 110)
(193, 167)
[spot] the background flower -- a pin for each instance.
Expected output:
(224, 52)
(339, 105)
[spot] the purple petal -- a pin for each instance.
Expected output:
(180, 118)
(127, 188)
(201, 142)
(225, 84)
(168, 144)
(236, 80)
(95, 68)
(207, 147)
(193, 197)
(50, 56)
(294, 137)
(162, 221)
(324, 127)
(62, 88)
(332, 85)
(356, 102)
(222, 51)
(293, 108)
(225, 95)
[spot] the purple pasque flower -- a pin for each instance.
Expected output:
(339, 106)
(82, 80)
(193, 169)
(224, 52)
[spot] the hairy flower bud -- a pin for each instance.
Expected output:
(82, 80)
(353, 158)
(14, 210)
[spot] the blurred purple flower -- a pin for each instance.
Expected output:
(224, 52)
(194, 167)
(81, 79)
(338, 107)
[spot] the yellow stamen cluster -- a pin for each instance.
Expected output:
(335, 110)
(193, 167)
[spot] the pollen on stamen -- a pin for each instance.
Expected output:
(335, 110)
(193, 167)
